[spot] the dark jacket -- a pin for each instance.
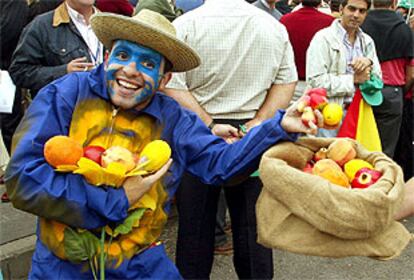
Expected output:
(45, 48)
(14, 17)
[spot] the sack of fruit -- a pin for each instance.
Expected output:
(308, 214)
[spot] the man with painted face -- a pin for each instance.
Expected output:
(118, 104)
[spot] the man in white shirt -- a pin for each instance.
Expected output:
(54, 44)
(247, 73)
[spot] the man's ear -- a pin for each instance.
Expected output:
(164, 80)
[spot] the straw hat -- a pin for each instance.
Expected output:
(149, 29)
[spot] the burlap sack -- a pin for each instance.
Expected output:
(306, 214)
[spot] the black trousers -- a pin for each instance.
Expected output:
(404, 152)
(197, 208)
(388, 116)
(9, 122)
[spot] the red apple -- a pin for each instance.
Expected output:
(318, 91)
(365, 177)
(93, 153)
(317, 101)
(308, 168)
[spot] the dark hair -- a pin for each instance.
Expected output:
(334, 5)
(345, 2)
(311, 3)
(383, 3)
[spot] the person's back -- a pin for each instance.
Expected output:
(240, 42)
(302, 26)
(247, 73)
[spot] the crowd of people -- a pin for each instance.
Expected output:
(217, 80)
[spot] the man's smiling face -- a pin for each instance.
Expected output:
(133, 74)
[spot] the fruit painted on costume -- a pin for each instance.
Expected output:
(94, 153)
(365, 177)
(62, 150)
(341, 151)
(354, 165)
(118, 154)
(331, 171)
(157, 153)
(332, 114)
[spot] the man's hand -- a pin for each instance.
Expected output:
(292, 121)
(136, 186)
(249, 125)
(363, 76)
(228, 132)
(78, 65)
(359, 64)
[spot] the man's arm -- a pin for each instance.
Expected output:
(409, 76)
(187, 100)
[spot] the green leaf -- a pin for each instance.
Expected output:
(130, 222)
(80, 246)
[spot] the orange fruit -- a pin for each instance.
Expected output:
(332, 114)
(62, 150)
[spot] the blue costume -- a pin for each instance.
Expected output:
(78, 105)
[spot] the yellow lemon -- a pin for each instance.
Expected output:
(332, 114)
(156, 153)
(352, 167)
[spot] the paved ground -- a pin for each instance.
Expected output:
(17, 228)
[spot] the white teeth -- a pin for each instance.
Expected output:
(127, 85)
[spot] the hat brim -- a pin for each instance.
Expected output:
(374, 99)
(110, 27)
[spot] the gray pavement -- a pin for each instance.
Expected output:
(17, 240)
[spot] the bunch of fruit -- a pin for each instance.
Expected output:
(339, 165)
(316, 99)
(62, 150)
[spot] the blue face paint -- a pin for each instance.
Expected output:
(147, 62)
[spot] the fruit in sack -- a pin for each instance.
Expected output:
(341, 151)
(322, 153)
(332, 114)
(365, 177)
(94, 153)
(62, 150)
(308, 168)
(308, 116)
(118, 154)
(331, 171)
(354, 165)
(157, 152)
